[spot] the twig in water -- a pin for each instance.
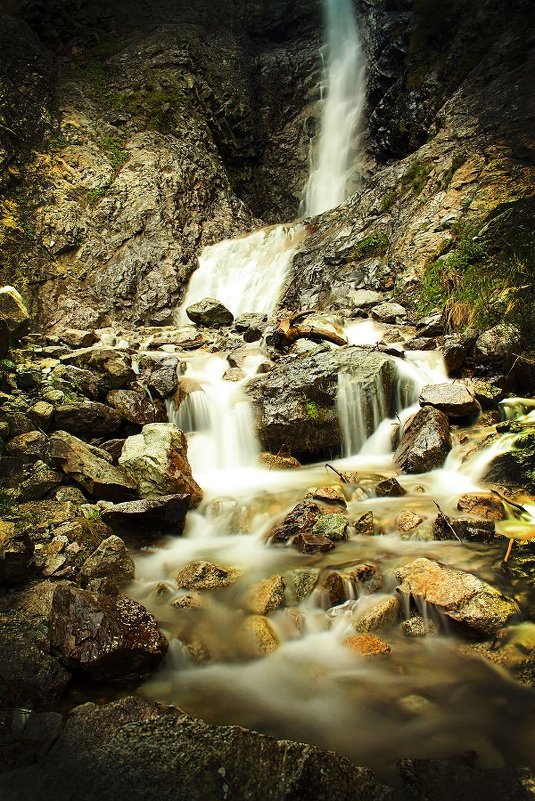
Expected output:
(340, 476)
(509, 549)
(447, 522)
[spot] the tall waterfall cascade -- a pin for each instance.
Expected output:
(345, 96)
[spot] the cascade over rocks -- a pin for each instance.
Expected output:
(295, 403)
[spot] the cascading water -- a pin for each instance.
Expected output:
(344, 84)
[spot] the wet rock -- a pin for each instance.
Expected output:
(454, 400)
(110, 560)
(29, 447)
(251, 326)
(458, 595)
(295, 403)
(205, 576)
(420, 343)
(333, 526)
(365, 525)
(301, 519)
(419, 626)
(482, 504)
(455, 351)
(329, 495)
(41, 480)
(261, 638)
(110, 638)
(516, 466)
(163, 515)
(76, 379)
(16, 554)
(312, 543)
(77, 338)
(156, 461)
(431, 326)
(192, 600)
(210, 313)
(13, 312)
(303, 580)
(87, 419)
(389, 312)
(316, 327)
(90, 467)
(389, 488)
(266, 596)
(408, 520)
(163, 381)
(114, 368)
(486, 393)
(234, 374)
(368, 645)
(376, 616)
(274, 461)
(497, 345)
(41, 414)
(365, 578)
(425, 442)
(136, 407)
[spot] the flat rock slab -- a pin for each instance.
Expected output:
(458, 595)
(166, 514)
(455, 400)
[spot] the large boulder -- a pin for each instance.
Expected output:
(210, 312)
(111, 560)
(458, 595)
(296, 402)
(107, 637)
(156, 462)
(164, 515)
(425, 442)
(16, 554)
(91, 467)
(455, 400)
(13, 311)
(132, 749)
(137, 407)
(497, 345)
(114, 367)
(87, 419)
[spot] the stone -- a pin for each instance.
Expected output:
(16, 554)
(41, 414)
(515, 467)
(90, 467)
(234, 374)
(380, 614)
(365, 578)
(419, 626)
(163, 381)
(108, 637)
(329, 495)
(389, 312)
(312, 543)
(425, 442)
(266, 596)
(455, 400)
(13, 312)
(303, 580)
(114, 369)
(497, 345)
(77, 338)
(110, 560)
(210, 313)
(205, 576)
(87, 419)
(333, 526)
(78, 380)
(136, 407)
(296, 402)
(408, 520)
(364, 524)
(455, 352)
(251, 326)
(274, 461)
(482, 504)
(156, 461)
(29, 447)
(431, 326)
(365, 298)
(190, 601)
(487, 393)
(260, 637)
(28, 379)
(301, 519)
(163, 515)
(367, 645)
(389, 488)
(460, 596)
(40, 482)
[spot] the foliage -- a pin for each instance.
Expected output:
(373, 245)
(97, 192)
(113, 146)
(416, 176)
(388, 200)
(312, 410)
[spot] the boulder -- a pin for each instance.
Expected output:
(389, 488)
(16, 554)
(210, 313)
(333, 526)
(41, 414)
(163, 381)
(266, 596)
(482, 504)
(13, 312)
(367, 645)
(87, 419)
(458, 595)
(515, 467)
(107, 637)
(303, 580)
(380, 614)
(28, 447)
(164, 515)
(261, 639)
(296, 402)
(77, 379)
(114, 368)
(455, 400)
(251, 326)
(111, 560)
(312, 543)
(301, 519)
(41, 480)
(91, 467)
(455, 351)
(497, 345)
(425, 442)
(205, 576)
(77, 338)
(389, 312)
(136, 407)
(156, 462)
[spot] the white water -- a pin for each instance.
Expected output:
(246, 274)
(344, 85)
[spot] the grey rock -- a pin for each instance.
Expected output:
(210, 313)
(13, 311)
(389, 312)
(114, 368)
(166, 514)
(87, 419)
(497, 345)
(111, 560)
(425, 442)
(455, 400)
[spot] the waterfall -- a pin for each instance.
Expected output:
(361, 409)
(344, 81)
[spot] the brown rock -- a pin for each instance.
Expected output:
(110, 560)
(166, 514)
(274, 461)
(205, 576)
(425, 442)
(300, 520)
(364, 524)
(455, 400)
(266, 596)
(367, 645)
(312, 543)
(29, 447)
(379, 615)
(16, 554)
(136, 407)
(389, 488)
(87, 419)
(482, 504)
(408, 520)
(260, 635)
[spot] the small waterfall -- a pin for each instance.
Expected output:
(361, 409)
(245, 274)
(344, 80)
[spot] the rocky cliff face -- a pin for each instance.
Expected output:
(168, 131)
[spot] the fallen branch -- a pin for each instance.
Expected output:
(340, 475)
(447, 522)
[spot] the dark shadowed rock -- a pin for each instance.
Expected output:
(111, 560)
(114, 368)
(425, 442)
(312, 543)
(389, 488)
(4, 339)
(301, 519)
(209, 312)
(110, 638)
(16, 554)
(28, 447)
(87, 419)
(455, 400)
(166, 514)
(515, 467)
(39, 480)
(136, 407)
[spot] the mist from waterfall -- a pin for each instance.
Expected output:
(343, 82)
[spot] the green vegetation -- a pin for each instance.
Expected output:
(373, 245)
(97, 192)
(389, 199)
(416, 176)
(113, 146)
(312, 410)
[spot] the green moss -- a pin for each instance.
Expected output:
(389, 199)
(373, 245)
(312, 410)
(113, 146)
(416, 176)
(97, 192)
